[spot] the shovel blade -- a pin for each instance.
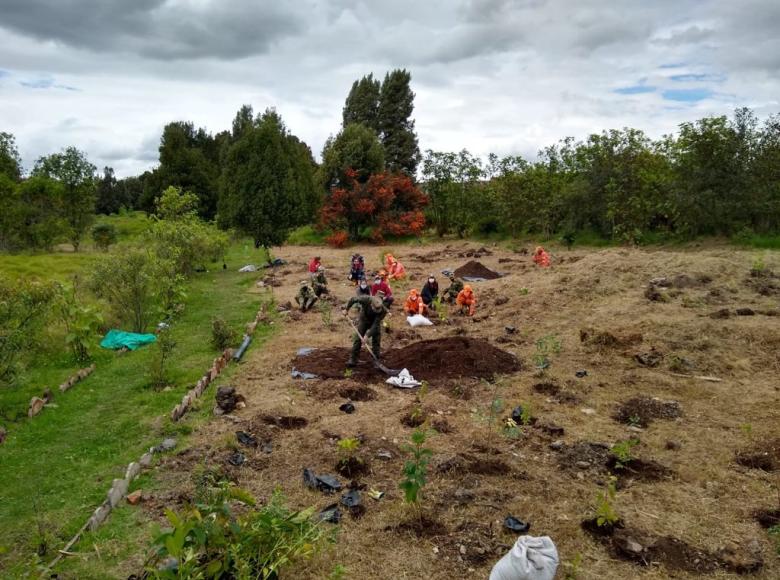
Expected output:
(384, 369)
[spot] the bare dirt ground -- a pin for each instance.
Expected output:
(707, 461)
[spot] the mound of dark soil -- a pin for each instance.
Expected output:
(352, 467)
(647, 549)
(584, 455)
(358, 393)
(642, 411)
(559, 394)
(285, 422)
(768, 518)
(765, 456)
(422, 527)
(429, 360)
(638, 470)
(606, 339)
(474, 269)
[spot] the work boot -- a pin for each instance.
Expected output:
(351, 363)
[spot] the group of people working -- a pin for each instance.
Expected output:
(376, 298)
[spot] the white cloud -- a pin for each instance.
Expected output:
(490, 75)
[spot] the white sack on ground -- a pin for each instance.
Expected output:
(404, 380)
(418, 320)
(531, 558)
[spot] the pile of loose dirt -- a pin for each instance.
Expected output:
(474, 269)
(606, 339)
(430, 360)
(764, 456)
(642, 410)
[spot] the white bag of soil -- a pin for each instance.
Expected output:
(531, 558)
(404, 380)
(418, 320)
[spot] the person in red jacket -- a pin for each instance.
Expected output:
(314, 264)
(414, 304)
(541, 258)
(467, 301)
(380, 285)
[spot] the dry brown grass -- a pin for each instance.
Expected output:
(709, 501)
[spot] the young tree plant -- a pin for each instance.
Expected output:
(415, 468)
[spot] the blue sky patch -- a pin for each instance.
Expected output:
(687, 95)
(635, 90)
(38, 84)
(697, 77)
(672, 65)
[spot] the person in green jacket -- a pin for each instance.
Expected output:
(369, 325)
(320, 283)
(451, 293)
(305, 297)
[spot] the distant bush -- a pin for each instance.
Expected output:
(222, 336)
(24, 306)
(338, 239)
(180, 236)
(104, 235)
(136, 285)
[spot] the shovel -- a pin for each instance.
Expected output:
(377, 364)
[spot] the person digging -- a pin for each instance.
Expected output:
(372, 313)
(305, 298)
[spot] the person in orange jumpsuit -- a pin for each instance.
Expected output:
(467, 301)
(541, 258)
(414, 304)
(395, 269)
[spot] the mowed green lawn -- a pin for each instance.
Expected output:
(56, 468)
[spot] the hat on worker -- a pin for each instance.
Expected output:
(376, 304)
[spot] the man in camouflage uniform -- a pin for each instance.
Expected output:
(369, 325)
(320, 283)
(451, 293)
(306, 297)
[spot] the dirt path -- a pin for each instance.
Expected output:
(594, 303)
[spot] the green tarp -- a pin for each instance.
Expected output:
(119, 338)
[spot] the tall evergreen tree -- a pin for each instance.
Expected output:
(395, 123)
(107, 201)
(362, 104)
(189, 159)
(267, 185)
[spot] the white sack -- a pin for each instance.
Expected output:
(531, 558)
(404, 380)
(418, 320)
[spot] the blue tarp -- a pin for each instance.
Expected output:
(116, 339)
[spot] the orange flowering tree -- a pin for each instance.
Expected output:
(387, 204)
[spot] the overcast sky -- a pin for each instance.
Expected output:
(490, 75)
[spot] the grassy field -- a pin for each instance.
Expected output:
(57, 467)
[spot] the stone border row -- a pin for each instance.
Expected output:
(119, 487)
(38, 403)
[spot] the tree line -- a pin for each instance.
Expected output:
(715, 176)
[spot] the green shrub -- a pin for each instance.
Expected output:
(136, 286)
(180, 236)
(24, 306)
(104, 235)
(222, 335)
(81, 322)
(210, 540)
